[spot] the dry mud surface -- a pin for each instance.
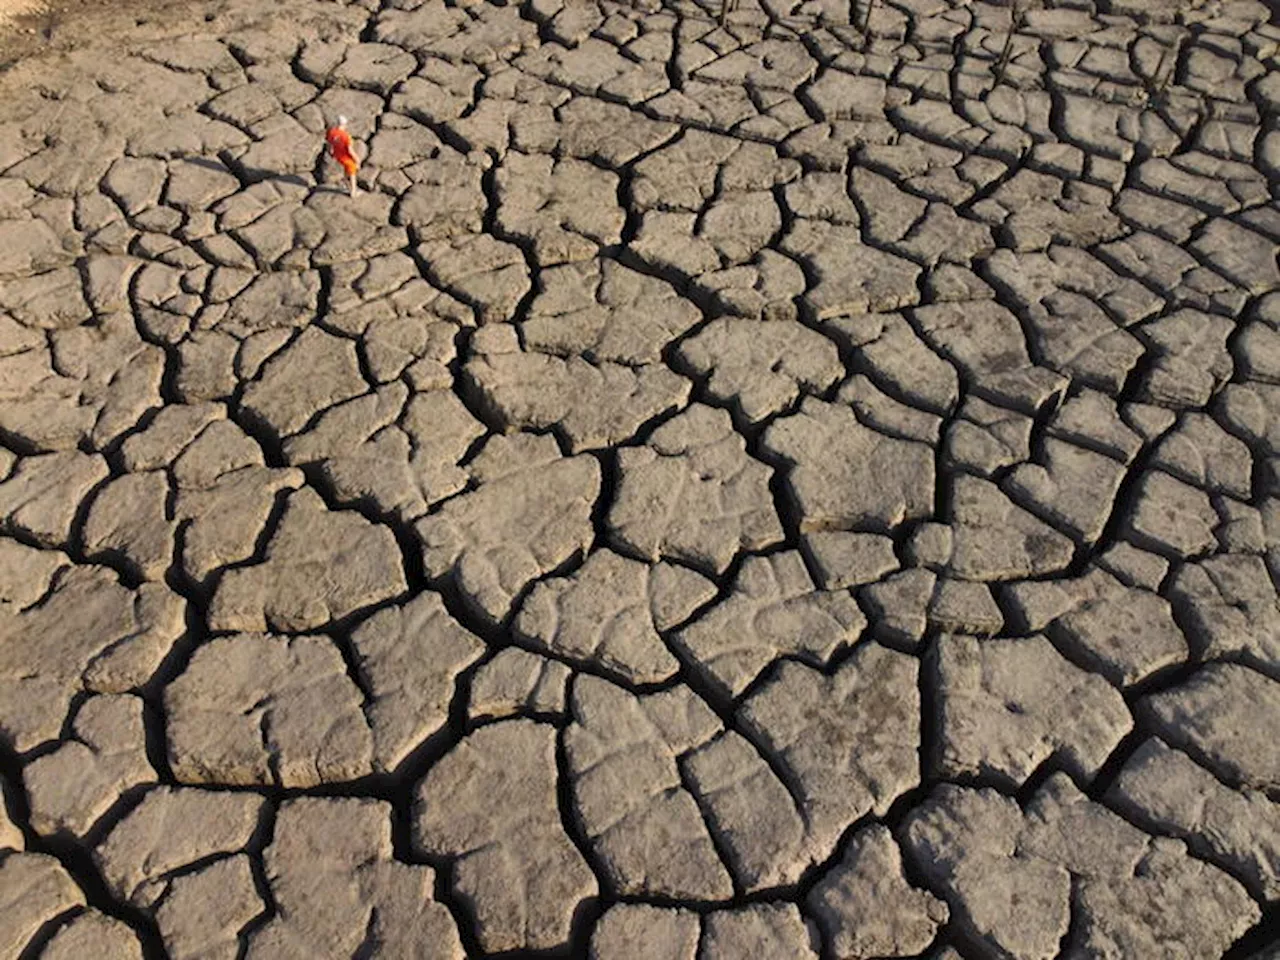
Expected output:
(802, 489)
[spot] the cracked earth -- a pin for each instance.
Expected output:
(801, 488)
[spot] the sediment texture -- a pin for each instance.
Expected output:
(801, 487)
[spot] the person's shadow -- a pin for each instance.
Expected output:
(250, 175)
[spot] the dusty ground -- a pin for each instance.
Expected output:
(806, 489)
(33, 31)
(17, 22)
(9, 9)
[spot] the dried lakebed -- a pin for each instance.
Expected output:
(807, 488)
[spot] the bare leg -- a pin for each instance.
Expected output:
(354, 189)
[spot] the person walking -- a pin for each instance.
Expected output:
(339, 141)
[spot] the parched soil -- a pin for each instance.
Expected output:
(795, 488)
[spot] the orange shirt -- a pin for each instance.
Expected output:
(340, 146)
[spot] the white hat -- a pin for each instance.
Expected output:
(342, 121)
